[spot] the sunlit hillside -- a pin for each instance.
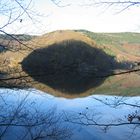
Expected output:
(86, 53)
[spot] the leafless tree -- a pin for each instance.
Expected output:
(95, 118)
(24, 120)
(11, 12)
(123, 4)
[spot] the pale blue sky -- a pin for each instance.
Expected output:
(93, 18)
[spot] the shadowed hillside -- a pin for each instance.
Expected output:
(70, 66)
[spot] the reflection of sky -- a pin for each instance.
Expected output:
(44, 101)
(94, 18)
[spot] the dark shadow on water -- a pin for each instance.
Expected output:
(70, 66)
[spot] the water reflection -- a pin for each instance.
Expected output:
(88, 118)
(71, 66)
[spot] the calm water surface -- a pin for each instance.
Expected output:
(85, 116)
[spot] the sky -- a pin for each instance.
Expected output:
(49, 17)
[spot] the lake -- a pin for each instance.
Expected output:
(33, 114)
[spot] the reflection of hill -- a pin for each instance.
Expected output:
(118, 55)
(70, 66)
